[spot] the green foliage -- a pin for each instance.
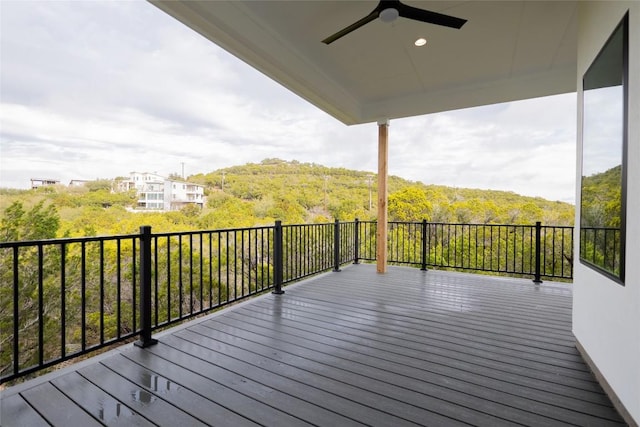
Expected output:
(40, 222)
(409, 204)
(37, 223)
(330, 193)
(601, 198)
(12, 222)
(190, 211)
(98, 184)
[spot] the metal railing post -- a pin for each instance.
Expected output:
(145, 288)
(536, 278)
(278, 259)
(356, 242)
(424, 245)
(336, 245)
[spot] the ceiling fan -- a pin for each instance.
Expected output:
(389, 10)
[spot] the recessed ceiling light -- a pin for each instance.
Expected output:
(420, 42)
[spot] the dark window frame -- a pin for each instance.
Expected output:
(623, 25)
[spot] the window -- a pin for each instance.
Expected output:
(604, 157)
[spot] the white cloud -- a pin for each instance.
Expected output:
(98, 89)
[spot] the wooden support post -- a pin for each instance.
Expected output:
(381, 234)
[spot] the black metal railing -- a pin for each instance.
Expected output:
(600, 246)
(520, 250)
(63, 298)
(69, 296)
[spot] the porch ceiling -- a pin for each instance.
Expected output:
(506, 51)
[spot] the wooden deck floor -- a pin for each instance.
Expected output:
(349, 348)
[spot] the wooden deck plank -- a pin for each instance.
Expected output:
(419, 327)
(350, 348)
(496, 333)
(499, 318)
(411, 388)
(565, 386)
(386, 341)
(347, 401)
(427, 331)
(478, 299)
(97, 402)
(364, 364)
(353, 387)
(179, 395)
(229, 390)
(448, 320)
(57, 408)
(373, 298)
(466, 387)
(147, 404)
(432, 288)
(15, 411)
(282, 393)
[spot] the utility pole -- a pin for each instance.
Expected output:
(325, 191)
(182, 163)
(223, 181)
(370, 179)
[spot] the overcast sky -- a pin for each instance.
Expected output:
(99, 89)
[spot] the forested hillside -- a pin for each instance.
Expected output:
(601, 198)
(307, 192)
(259, 194)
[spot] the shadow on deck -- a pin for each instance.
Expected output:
(349, 348)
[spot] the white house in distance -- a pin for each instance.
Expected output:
(43, 182)
(156, 192)
(371, 72)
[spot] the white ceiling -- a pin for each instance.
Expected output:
(508, 50)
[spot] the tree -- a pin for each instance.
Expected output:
(38, 223)
(99, 184)
(409, 204)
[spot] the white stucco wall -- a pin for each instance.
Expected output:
(606, 316)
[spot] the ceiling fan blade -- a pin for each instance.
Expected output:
(414, 13)
(370, 17)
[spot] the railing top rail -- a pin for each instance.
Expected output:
(65, 240)
(317, 224)
(476, 224)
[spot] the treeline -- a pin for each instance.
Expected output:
(297, 192)
(290, 191)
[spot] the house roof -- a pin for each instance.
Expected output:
(506, 51)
